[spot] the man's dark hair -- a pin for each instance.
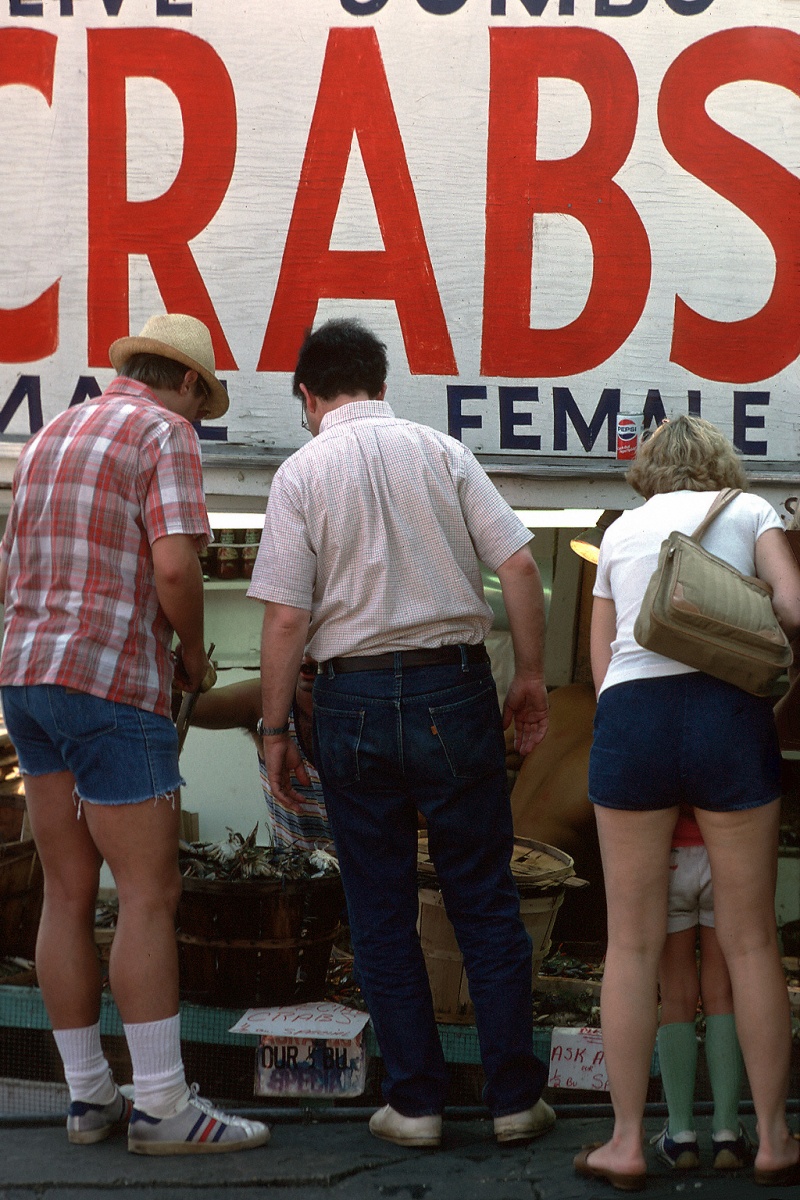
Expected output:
(342, 357)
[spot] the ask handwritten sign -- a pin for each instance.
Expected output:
(577, 1060)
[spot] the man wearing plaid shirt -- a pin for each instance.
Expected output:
(98, 568)
(370, 552)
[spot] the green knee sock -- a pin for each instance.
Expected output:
(725, 1069)
(677, 1055)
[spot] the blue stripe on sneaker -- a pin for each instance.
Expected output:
(196, 1127)
(138, 1115)
(79, 1108)
(220, 1131)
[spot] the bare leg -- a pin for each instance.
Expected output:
(715, 982)
(743, 851)
(140, 844)
(677, 977)
(66, 957)
(635, 850)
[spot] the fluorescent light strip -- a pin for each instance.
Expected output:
(559, 518)
(237, 520)
(533, 518)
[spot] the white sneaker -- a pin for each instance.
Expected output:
(198, 1128)
(524, 1126)
(392, 1126)
(88, 1123)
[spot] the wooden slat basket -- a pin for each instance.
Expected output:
(257, 942)
(21, 880)
(541, 873)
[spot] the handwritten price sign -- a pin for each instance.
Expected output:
(577, 1060)
(318, 1019)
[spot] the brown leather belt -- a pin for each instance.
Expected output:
(408, 658)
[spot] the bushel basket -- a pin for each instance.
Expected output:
(257, 942)
(541, 873)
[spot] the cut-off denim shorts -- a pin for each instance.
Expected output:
(683, 739)
(118, 754)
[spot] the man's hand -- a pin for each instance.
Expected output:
(194, 671)
(526, 704)
(526, 701)
(283, 759)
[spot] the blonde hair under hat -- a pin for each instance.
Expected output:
(183, 339)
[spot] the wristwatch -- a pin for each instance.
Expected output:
(270, 730)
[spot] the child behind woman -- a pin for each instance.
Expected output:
(691, 903)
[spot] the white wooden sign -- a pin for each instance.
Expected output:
(313, 1049)
(551, 210)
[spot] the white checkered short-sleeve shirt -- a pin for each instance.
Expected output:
(377, 527)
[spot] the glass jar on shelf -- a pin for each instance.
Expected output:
(228, 561)
(252, 537)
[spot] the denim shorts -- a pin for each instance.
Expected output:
(683, 739)
(118, 754)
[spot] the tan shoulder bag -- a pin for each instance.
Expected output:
(701, 611)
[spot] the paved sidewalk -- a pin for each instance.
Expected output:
(341, 1161)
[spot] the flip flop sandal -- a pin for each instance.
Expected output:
(780, 1177)
(623, 1183)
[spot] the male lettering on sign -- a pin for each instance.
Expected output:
(373, 533)
(98, 568)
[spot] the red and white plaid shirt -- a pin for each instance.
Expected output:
(92, 491)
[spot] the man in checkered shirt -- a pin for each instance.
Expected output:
(370, 554)
(98, 568)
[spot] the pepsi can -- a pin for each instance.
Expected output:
(629, 428)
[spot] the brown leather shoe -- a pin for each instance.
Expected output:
(623, 1183)
(779, 1177)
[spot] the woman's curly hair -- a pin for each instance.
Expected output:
(686, 454)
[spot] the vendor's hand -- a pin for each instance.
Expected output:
(283, 759)
(194, 671)
(526, 704)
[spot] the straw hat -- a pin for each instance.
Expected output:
(182, 338)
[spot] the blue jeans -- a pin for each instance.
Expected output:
(387, 743)
(117, 754)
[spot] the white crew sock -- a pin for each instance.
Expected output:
(86, 1070)
(159, 1080)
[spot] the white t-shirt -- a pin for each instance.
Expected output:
(629, 556)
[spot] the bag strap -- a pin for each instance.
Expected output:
(721, 501)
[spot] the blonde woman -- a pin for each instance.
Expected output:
(666, 734)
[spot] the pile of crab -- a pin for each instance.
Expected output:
(237, 858)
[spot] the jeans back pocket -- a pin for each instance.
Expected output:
(82, 717)
(470, 731)
(337, 735)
